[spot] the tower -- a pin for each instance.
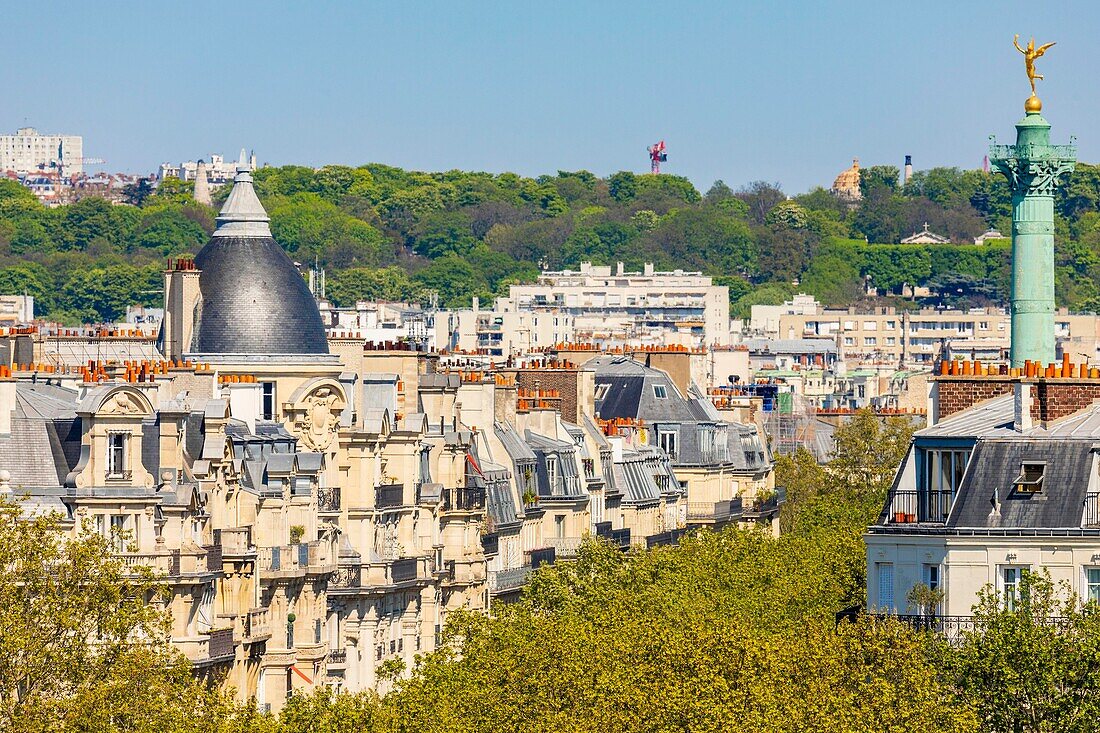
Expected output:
(908, 171)
(1032, 167)
(202, 185)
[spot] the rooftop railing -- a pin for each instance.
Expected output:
(389, 496)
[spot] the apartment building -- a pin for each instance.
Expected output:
(1004, 480)
(914, 338)
(219, 171)
(29, 151)
(628, 308)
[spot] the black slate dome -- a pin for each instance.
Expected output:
(254, 300)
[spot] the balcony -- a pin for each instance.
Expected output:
(328, 499)
(762, 508)
(256, 625)
(389, 496)
(502, 581)
(542, 556)
(952, 628)
(337, 658)
(234, 540)
(713, 510)
(490, 544)
(564, 547)
(671, 537)
(909, 507)
(353, 578)
(214, 647)
(1092, 511)
(463, 499)
(305, 557)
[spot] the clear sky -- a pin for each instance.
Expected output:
(781, 91)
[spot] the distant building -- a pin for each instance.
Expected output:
(219, 171)
(926, 237)
(988, 235)
(846, 185)
(28, 151)
(627, 308)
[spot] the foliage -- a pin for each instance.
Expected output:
(1026, 672)
(57, 594)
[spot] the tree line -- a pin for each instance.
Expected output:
(384, 232)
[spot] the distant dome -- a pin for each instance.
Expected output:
(846, 185)
(254, 300)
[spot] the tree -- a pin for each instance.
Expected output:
(760, 197)
(622, 186)
(868, 453)
(81, 648)
(136, 194)
(878, 179)
(1032, 667)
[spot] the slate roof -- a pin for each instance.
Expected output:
(253, 299)
(994, 466)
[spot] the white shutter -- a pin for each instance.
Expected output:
(885, 585)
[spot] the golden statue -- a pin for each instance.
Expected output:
(1030, 54)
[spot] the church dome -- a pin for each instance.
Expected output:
(253, 299)
(846, 185)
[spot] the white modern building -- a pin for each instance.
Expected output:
(613, 308)
(28, 151)
(219, 171)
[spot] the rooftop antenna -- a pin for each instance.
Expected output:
(657, 156)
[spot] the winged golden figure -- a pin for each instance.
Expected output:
(1030, 54)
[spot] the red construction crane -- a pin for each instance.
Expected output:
(657, 156)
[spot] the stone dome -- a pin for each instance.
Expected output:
(252, 299)
(846, 185)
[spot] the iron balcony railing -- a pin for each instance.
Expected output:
(388, 496)
(338, 656)
(463, 499)
(621, 537)
(564, 546)
(404, 569)
(714, 509)
(221, 644)
(908, 507)
(1030, 151)
(506, 580)
(952, 628)
(1092, 510)
(490, 544)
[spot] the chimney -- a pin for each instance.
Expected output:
(1022, 414)
(245, 401)
(202, 185)
(619, 268)
(7, 404)
(908, 170)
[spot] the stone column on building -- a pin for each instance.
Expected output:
(1032, 167)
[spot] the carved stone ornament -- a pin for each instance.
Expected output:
(319, 421)
(122, 404)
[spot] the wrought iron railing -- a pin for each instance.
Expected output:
(1092, 510)
(490, 544)
(221, 644)
(463, 499)
(907, 507)
(1030, 151)
(388, 496)
(510, 579)
(404, 569)
(338, 656)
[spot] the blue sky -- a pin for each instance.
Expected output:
(781, 91)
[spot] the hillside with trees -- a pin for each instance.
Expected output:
(384, 232)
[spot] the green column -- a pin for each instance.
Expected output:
(1032, 167)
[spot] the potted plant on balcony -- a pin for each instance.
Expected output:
(925, 601)
(530, 498)
(296, 533)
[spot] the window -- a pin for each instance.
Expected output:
(118, 527)
(268, 405)
(870, 341)
(1010, 577)
(849, 341)
(870, 326)
(983, 325)
(931, 576)
(667, 440)
(601, 391)
(891, 341)
(660, 391)
(891, 325)
(552, 472)
(1092, 584)
(559, 525)
(940, 476)
(1030, 480)
(116, 454)
(885, 572)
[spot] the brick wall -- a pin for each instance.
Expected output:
(563, 380)
(958, 393)
(1051, 398)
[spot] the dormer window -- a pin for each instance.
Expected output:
(1030, 480)
(601, 391)
(117, 448)
(660, 392)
